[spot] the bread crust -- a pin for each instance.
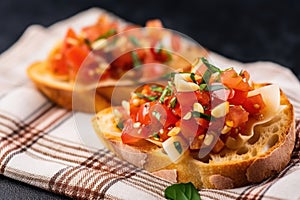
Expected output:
(62, 93)
(224, 175)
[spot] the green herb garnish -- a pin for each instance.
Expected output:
(203, 86)
(156, 88)
(210, 69)
(134, 41)
(135, 59)
(196, 114)
(193, 78)
(167, 91)
(109, 33)
(142, 96)
(173, 102)
(182, 191)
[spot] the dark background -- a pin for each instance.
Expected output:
(248, 30)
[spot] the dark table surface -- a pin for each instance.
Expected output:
(247, 30)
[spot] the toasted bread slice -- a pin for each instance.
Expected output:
(61, 92)
(264, 155)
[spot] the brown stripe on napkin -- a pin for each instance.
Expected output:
(26, 134)
(94, 177)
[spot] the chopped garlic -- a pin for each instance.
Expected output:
(198, 107)
(174, 131)
(175, 147)
(220, 110)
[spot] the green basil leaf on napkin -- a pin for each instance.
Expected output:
(182, 191)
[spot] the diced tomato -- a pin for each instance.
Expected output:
(129, 133)
(154, 23)
(203, 97)
(124, 62)
(232, 80)
(238, 97)
(254, 104)
(100, 28)
(75, 57)
(143, 114)
(160, 55)
(58, 64)
(245, 74)
(237, 115)
(71, 39)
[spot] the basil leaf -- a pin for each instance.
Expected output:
(135, 59)
(210, 69)
(109, 33)
(173, 102)
(156, 89)
(165, 92)
(201, 115)
(215, 87)
(134, 41)
(193, 77)
(203, 86)
(182, 191)
(150, 98)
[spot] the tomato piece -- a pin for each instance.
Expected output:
(254, 104)
(238, 97)
(71, 39)
(232, 80)
(125, 62)
(154, 23)
(237, 115)
(58, 63)
(245, 74)
(100, 28)
(129, 133)
(160, 55)
(203, 97)
(75, 57)
(143, 114)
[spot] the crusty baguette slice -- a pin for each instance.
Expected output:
(266, 154)
(61, 92)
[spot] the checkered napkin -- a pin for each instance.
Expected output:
(41, 144)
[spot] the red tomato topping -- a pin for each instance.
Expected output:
(254, 104)
(237, 115)
(238, 97)
(154, 23)
(232, 80)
